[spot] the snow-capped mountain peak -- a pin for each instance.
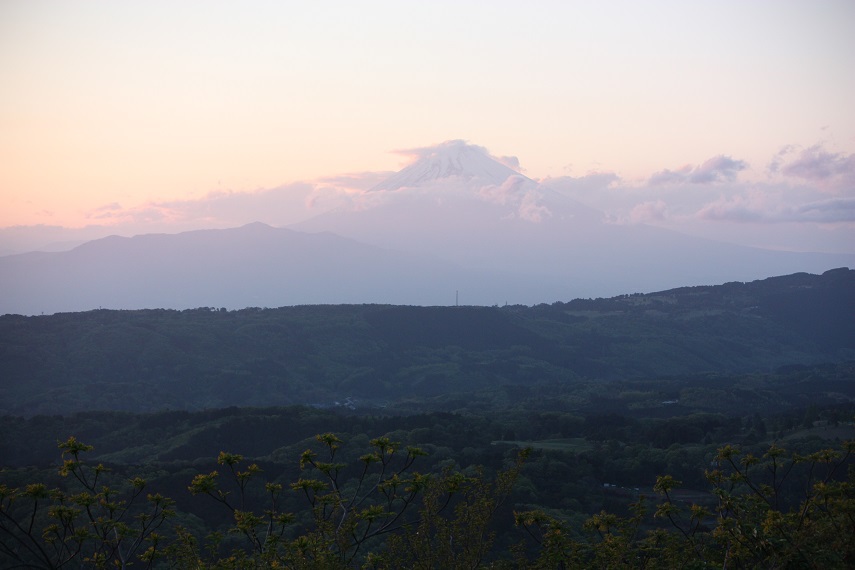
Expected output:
(451, 159)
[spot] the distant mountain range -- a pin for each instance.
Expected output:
(456, 224)
(201, 358)
(251, 266)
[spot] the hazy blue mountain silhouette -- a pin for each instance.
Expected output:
(503, 221)
(254, 265)
(455, 220)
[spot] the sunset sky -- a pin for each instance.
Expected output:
(728, 118)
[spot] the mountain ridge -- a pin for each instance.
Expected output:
(145, 360)
(254, 265)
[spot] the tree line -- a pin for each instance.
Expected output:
(379, 511)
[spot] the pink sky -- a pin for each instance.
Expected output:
(731, 119)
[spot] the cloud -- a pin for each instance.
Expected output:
(816, 164)
(149, 213)
(670, 176)
(741, 209)
(532, 210)
(651, 211)
(590, 183)
(698, 199)
(428, 151)
(510, 192)
(775, 164)
(112, 207)
(808, 197)
(709, 199)
(356, 180)
(520, 193)
(829, 170)
(734, 209)
(511, 162)
(828, 211)
(455, 149)
(279, 206)
(276, 206)
(719, 168)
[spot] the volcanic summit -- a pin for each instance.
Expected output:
(455, 159)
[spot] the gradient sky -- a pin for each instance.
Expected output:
(117, 112)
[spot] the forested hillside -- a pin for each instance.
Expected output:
(593, 489)
(379, 355)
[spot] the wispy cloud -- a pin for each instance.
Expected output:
(355, 180)
(828, 211)
(812, 189)
(828, 170)
(418, 153)
(650, 211)
(279, 206)
(112, 207)
(734, 209)
(510, 192)
(532, 210)
(275, 206)
(719, 168)
(591, 183)
(737, 209)
(519, 193)
(791, 208)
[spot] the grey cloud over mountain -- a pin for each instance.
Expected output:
(218, 207)
(790, 208)
(711, 194)
(839, 210)
(835, 210)
(455, 219)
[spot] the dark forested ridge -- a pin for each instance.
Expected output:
(382, 355)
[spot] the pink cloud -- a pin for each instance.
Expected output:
(274, 206)
(733, 209)
(518, 192)
(356, 180)
(428, 151)
(830, 170)
(667, 176)
(532, 210)
(652, 211)
(112, 207)
(719, 168)
(592, 182)
(511, 191)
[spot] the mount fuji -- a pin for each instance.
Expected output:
(458, 203)
(452, 199)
